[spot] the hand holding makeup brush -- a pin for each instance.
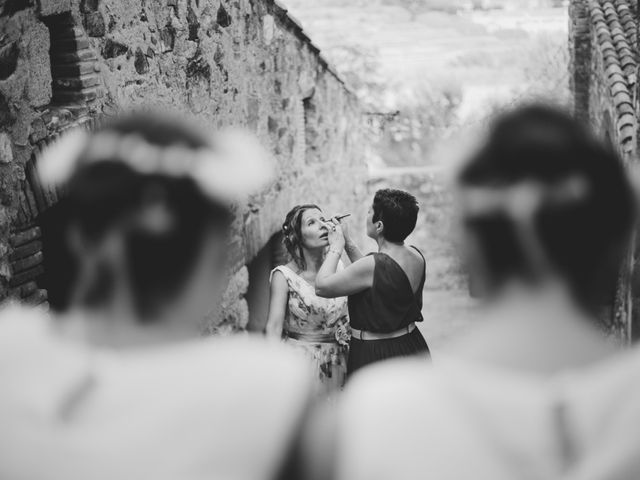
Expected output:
(353, 252)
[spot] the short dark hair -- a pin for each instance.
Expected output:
(102, 195)
(583, 240)
(398, 211)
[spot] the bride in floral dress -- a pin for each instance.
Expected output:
(319, 326)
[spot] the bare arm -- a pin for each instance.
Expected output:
(279, 294)
(353, 279)
(353, 252)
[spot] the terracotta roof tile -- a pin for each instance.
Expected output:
(614, 28)
(613, 69)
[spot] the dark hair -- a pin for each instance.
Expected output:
(292, 232)
(398, 211)
(105, 195)
(583, 239)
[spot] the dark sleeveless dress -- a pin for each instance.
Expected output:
(387, 306)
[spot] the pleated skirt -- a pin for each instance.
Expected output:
(366, 352)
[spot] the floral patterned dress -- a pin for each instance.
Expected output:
(319, 326)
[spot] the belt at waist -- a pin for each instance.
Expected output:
(312, 337)
(364, 335)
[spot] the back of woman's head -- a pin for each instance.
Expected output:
(292, 233)
(544, 196)
(161, 219)
(398, 211)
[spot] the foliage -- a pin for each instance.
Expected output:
(417, 7)
(426, 110)
(546, 61)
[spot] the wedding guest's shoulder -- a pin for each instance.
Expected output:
(247, 355)
(392, 383)
(22, 329)
(19, 317)
(611, 387)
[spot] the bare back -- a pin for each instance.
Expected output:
(411, 262)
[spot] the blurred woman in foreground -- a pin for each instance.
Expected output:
(119, 386)
(532, 391)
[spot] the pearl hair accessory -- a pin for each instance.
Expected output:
(522, 200)
(233, 168)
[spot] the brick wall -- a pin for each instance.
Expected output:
(73, 62)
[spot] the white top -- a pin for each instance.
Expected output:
(210, 409)
(458, 420)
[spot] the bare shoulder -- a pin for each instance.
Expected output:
(240, 364)
(391, 382)
(292, 266)
(364, 264)
(416, 254)
(279, 277)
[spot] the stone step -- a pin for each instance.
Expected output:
(37, 298)
(26, 276)
(66, 33)
(76, 83)
(60, 58)
(25, 250)
(69, 97)
(20, 238)
(58, 23)
(73, 70)
(25, 290)
(69, 45)
(26, 263)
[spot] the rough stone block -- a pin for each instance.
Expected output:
(88, 6)
(7, 116)
(38, 131)
(94, 24)
(8, 60)
(194, 24)
(6, 152)
(112, 49)
(268, 29)
(53, 7)
(141, 63)
(14, 6)
(167, 38)
(39, 79)
(222, 17)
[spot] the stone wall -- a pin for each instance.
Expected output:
(243, 62)
(580, 56)
(604, 52)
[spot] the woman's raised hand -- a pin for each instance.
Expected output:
(336, 235)
(344, 224)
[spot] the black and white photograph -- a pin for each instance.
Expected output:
(319, 240)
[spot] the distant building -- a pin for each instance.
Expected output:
(603, 40)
